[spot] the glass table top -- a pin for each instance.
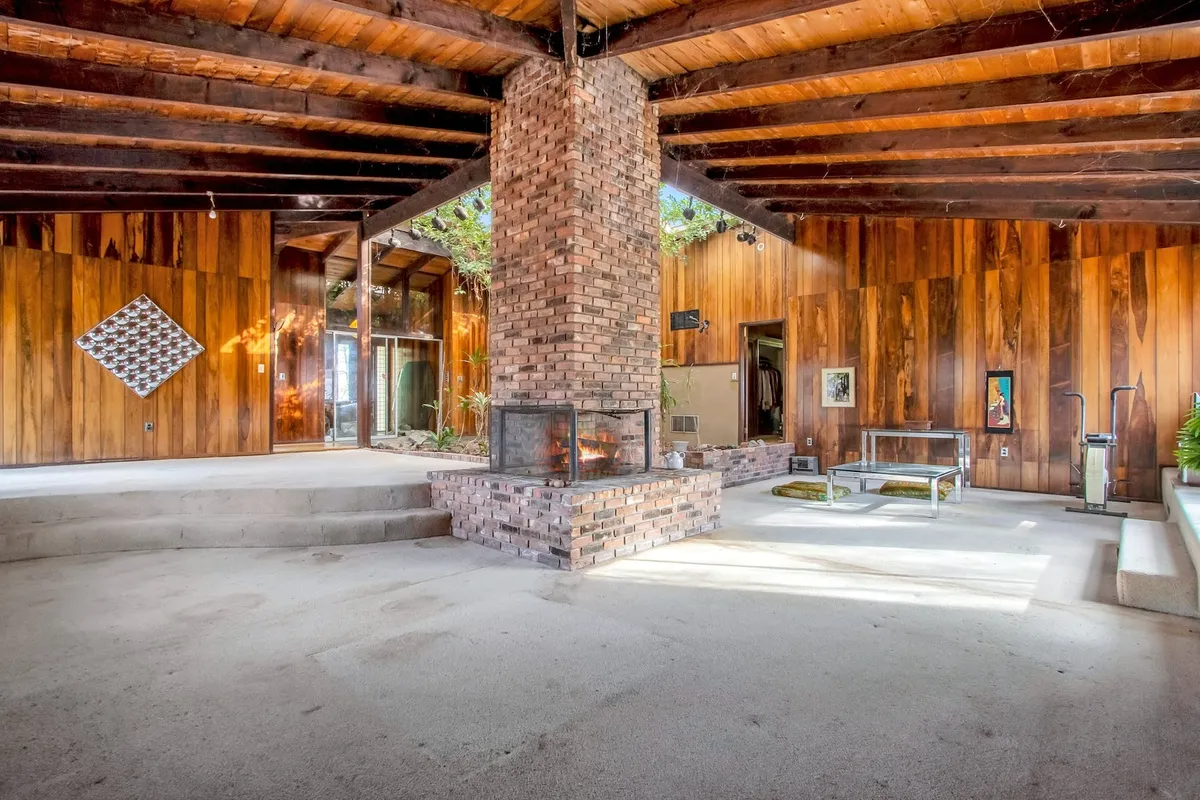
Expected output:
(897, 470)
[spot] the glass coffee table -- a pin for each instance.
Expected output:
(891, 471)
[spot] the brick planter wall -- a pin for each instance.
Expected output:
(743, 464)
(580, 525)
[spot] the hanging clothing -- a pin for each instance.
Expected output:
(770, 387)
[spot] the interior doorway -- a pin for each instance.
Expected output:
(405, 375)
(761, 384)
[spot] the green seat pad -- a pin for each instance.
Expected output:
(809, 490)
(918, 490)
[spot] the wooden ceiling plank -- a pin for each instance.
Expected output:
(691, 21)
(337, 241)
(408, 271)
(462, 22)
(464, 179)
(1164, 188)
(83, 203)
(144, 125)
(695, 183)
(285, 232)
(1135, 127)
(1133, 80)
(136, 24)
(68, 156)
(22, 69)
(1059, 25)
(43, 181)
(1163, 213)
(1091, 163)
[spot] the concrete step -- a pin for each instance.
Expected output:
(1154, 570)
(170, 531)
(253, 500)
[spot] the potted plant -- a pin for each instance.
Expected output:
(1188, 453)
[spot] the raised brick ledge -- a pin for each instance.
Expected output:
(580, 525)
(743, 464)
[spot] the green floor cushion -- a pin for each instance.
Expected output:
(809, 490)
(918, 490)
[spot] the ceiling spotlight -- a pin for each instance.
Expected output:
(212, 211)
(416, 234)
(689, 213)
(751, 239)
(393, 241)
(743, 236)
(460, 212)
(722, 225)
(479, 204)
(439, 223)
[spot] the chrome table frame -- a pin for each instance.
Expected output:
(889, 470)
(961, 437)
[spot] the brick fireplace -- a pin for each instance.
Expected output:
(574, 325)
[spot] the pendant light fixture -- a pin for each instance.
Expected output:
(460, 212)
(689, 213)
(722, 225)
(439, 223)
(480, 206)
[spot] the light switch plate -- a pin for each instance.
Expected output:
(733, 377)
(283, 376)
(262, 368)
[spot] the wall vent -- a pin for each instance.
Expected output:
(684, 423)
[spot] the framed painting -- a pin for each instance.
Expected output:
(999, 414)
(837, 387)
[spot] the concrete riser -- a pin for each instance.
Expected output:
(146, 504)
(1156, 593)
(116, 534)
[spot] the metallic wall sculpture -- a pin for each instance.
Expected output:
(141, 345)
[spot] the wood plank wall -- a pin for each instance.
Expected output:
(299, 291)
(465, 316)
(923, 308)
(62, 274)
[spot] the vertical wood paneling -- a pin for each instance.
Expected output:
(60, 275)
(923, 308)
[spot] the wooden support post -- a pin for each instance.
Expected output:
(364, 339)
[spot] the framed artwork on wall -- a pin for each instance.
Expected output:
(837, 387)
(999, 415)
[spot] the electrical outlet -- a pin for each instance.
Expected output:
(733, 377)
(1004, 452)
(808, 441)
(262, 368)
(149, 426)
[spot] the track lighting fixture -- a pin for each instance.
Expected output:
(393, 241)
(212, 202)
(439, 223)
(722, 225)
(751, 239)
(416, 234)
(743, 236)
(460, 212)
(689, 213)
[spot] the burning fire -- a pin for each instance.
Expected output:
(591, 451)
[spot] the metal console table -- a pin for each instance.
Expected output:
(932, 474)
(962, 438)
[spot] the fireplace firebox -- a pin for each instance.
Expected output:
(569, 444)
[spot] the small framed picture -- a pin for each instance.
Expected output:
(837, 387)
(999, 415)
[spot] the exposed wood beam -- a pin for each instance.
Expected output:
(568, 16)
(1134, 80)
(67, 203)
(456, 184)
(404, 273)
(136, 24)
(690, 21)
(131, 124)
(21, 69)
(134, 159)
(406, 241)
(45, 181)
(940, 168)
(337, 241)
(1059, 25)
(292, 216)
(1164, 213)
(285, 232)
(462, 22)
(383, 253)
(1136, 127)
(695, 183)
(1146, 188)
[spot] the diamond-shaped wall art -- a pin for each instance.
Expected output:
(141, 345)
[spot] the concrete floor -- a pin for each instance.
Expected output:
(859, 653)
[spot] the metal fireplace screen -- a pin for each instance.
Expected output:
(571, 445)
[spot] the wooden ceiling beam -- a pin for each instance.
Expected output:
(1133, 80)
(82, 203)
(1174, 126)
(136, 24)
(690, 21)
(144, 159)
(338, 240)
(404, 240)
(45, 181)
(464, 179)
(60, 119)
(285, 231)
(1149, 188)
(941, 168)
(1162, 213)
(1049, 27)
(695, 183)
(22, 69)
(462, 22)
(406, 272)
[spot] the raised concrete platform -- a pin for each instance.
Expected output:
(1156, 566)
(295, 499)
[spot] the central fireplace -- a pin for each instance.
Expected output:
(568, 444)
